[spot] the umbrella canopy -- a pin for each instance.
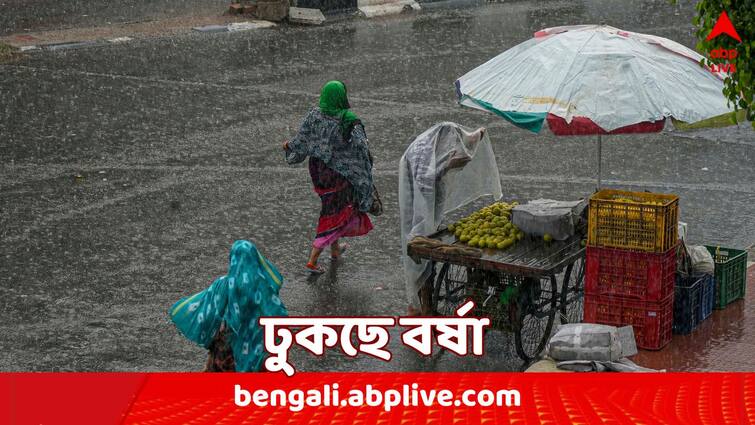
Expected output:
(595, 79)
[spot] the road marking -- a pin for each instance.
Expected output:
(137, 191)
(249, 25)
(62, 169)
(70, 45)
(120, 40)
(451, 106)
(204, 171)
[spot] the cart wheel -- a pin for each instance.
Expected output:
(573, 292)
(449, 292)
(426, 293)
(536, 304)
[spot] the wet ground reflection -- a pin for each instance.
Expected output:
(724, 342)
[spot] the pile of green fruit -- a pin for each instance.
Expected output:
(489, 227)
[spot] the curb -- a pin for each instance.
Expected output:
(236, 26)
(446, 4)
(330, 10)
(373, 8)
(336, 10)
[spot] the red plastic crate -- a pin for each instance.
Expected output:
(652, 321)
(637, 275)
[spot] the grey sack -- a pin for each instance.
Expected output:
(587, 341)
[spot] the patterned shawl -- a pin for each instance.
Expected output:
(249, 291)
(320, 136)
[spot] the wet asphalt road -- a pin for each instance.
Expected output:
(177, 141)
(18, 16)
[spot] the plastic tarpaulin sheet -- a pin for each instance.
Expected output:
(621, 365)
(443, 169)
(612, 78)
(556, 218)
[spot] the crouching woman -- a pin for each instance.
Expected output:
(224, 317)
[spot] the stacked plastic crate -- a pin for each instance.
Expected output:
(631, 263)
(693, 301)
(730, 274)
(695, 296)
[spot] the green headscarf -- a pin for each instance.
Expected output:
(335, 103)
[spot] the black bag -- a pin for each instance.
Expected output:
(376, 208)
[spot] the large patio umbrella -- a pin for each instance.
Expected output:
(597, 80)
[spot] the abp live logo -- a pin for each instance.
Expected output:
(723, 26)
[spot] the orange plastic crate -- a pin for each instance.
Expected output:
(635, 221)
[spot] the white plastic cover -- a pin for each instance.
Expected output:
(556, 218)
(444, 168)
(613, 77)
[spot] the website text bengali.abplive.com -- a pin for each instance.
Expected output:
(409, 395)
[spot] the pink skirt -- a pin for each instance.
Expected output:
(359, 224)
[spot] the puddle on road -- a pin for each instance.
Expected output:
(723, 342)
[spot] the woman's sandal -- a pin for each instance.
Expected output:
(315, 268)
(412, 311)
(341, 249)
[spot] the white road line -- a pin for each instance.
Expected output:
(451, 106)
(205, 170)
(70, 213)
(62, 169)
(188, 178)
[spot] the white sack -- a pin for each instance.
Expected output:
(701, 262)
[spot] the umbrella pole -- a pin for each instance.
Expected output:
(600, 157)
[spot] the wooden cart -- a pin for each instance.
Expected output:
(522, 289)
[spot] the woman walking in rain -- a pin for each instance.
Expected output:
(224, 317)
(341, 170)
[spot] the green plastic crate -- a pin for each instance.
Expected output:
(731, 274)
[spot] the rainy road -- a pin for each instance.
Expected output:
(36, 15)
(177, 145)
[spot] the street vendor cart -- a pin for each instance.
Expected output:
(524, 284)
(522, 290)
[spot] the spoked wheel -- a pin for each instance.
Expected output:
(449, 291)
(536, 303)
(573, 292)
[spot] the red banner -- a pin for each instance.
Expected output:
(382, 398)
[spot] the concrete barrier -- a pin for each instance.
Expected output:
(372, 8)
(369, 8)
(305, 16)
(328, 7)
